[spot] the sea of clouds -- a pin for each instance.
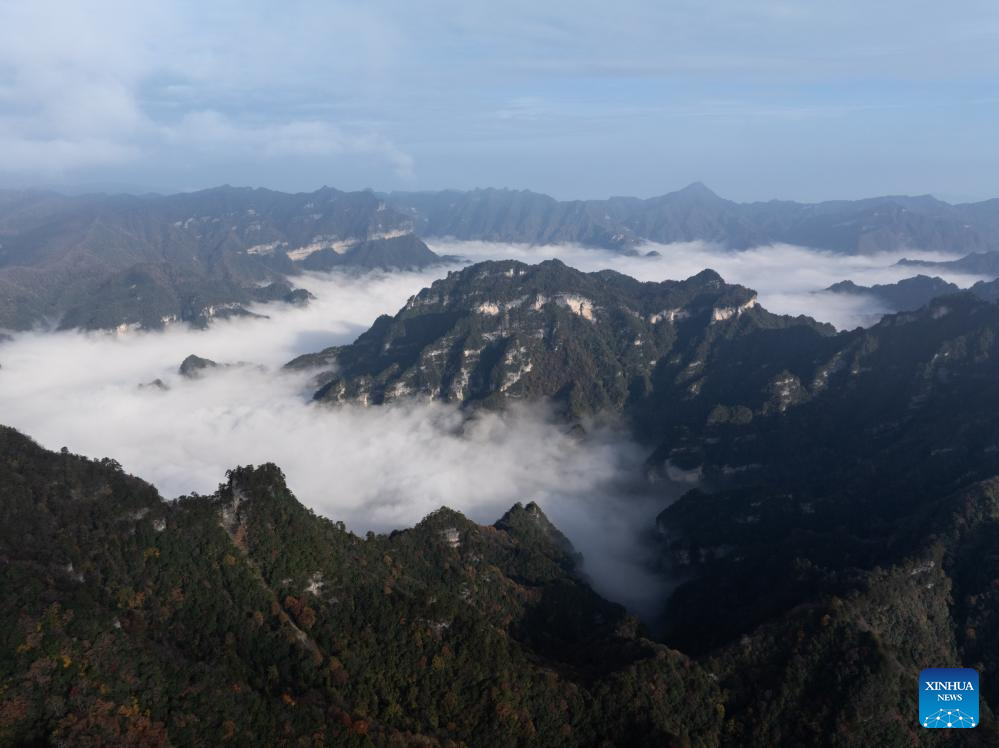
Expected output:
(788, 278)
(382, 468)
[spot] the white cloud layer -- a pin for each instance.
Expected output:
(386, 467)
(374, 468)
(789, 279)
(214, 133)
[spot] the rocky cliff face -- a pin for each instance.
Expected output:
(501, 331)
(845, 482)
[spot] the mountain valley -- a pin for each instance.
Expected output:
(856, 467)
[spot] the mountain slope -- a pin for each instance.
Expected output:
(59, 253)
(511, 216)
(178, 256)
(498, 331)
(405, 251)
(702, 373)
(243, 617)
(904, 296)
(979, 263)
(865, 475)
(879, 224)
(830, 466)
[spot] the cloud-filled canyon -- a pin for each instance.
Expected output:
(498, 374)
(386, 467)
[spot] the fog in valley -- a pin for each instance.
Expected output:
(789, 279)
(382, 468)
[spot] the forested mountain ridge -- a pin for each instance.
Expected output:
(846, 481)
(711, 381)
(694, 365)
(499, 331)
(837, 542)
(857, 477)
(905, 295)
(243, 617)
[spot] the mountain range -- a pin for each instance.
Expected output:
(845, 481)
(678, 359)
(498, 331)
(121, 261)
(910, 294)
(242, 617)
(99, 261)
(695, 213)
(837, 537)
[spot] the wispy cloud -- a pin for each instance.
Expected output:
(580, 98)
(216, 133)
(374, 468)
(113, 83)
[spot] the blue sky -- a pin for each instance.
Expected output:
(797, 100)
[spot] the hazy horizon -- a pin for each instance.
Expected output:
(76, 190)
(777, 100)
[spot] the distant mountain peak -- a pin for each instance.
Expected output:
(697, 189)
(906, 295)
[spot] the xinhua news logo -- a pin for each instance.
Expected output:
(948, 697)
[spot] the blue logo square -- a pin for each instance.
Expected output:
(948, 697)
